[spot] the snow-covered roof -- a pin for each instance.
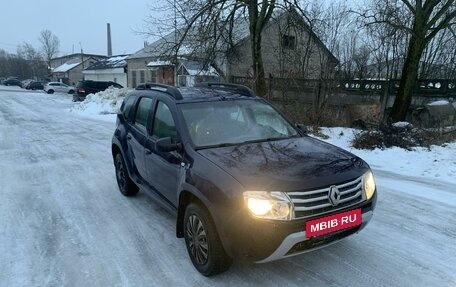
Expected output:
(159, 63)
(110, 63)
(166, 45)
(67, 66)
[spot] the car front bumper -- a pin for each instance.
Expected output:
(260, 241)
(297, 243)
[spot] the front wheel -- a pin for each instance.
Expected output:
(126, 186)
(50, 91)
(71, 92)
(203, 243)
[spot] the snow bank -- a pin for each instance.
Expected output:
(103, 105)
(438, 162)
(439, 103)
(401, 124)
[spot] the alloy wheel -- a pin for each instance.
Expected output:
(197, 239)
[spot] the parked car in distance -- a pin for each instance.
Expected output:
(12, 82)
(83, 88)
(243, 181)
(57, 87)
(35, 85)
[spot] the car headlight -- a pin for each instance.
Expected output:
(369, 184)
(268, 205)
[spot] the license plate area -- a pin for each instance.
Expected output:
(332, 223)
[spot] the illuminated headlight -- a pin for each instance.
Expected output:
(268, 205)
(369, 184)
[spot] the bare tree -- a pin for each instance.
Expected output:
(211, 26)
(34, 64)
(423, 20)
(50, 45)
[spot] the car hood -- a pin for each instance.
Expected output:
(286, 165)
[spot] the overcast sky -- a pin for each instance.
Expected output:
(76, 23)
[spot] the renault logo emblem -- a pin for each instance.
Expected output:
(334, 195)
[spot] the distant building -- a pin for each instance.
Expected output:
(68, 69)
(111, 69)
(290, 49)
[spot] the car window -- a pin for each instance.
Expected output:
(116, 85)
(233, 122)
(142, 112)
(127, 108)
(266, 116)
(163, 123)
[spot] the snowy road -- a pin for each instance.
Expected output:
(64, 223)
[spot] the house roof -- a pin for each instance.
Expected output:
(109, 63)
(71, 64)
(159, 63)
(240, 33)
(79, 55)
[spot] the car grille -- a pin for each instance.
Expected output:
(314, 202)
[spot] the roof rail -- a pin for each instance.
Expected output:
(241, 89)
(170, 90)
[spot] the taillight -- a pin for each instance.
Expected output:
(81, 91)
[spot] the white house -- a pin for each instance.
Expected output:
(111, 69)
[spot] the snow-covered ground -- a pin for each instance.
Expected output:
(64, 223)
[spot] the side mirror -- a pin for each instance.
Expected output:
(166, 145)
(303, 128)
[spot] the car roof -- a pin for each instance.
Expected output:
(201, 92)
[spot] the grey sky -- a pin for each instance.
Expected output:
(74, 22)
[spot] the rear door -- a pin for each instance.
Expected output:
(137, 135)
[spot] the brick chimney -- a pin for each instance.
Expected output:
(109, 41)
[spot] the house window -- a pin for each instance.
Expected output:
(153, 76)
(142, 76)
(288, 42)
(133, 79)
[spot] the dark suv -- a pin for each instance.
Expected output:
(243, 181)
(83, 88)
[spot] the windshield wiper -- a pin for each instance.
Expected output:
(271, 139)
(216, 146)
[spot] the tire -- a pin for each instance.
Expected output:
(203, 243)
(126, 186)
(50, 91)
(71, 92)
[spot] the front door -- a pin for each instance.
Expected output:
(164, 168)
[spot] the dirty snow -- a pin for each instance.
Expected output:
(401, 124)
(103, 105)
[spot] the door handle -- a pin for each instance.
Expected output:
(148, 151)
(128, 137)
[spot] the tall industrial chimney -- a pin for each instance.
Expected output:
(109, 41)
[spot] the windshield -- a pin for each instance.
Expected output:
(233, 122)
